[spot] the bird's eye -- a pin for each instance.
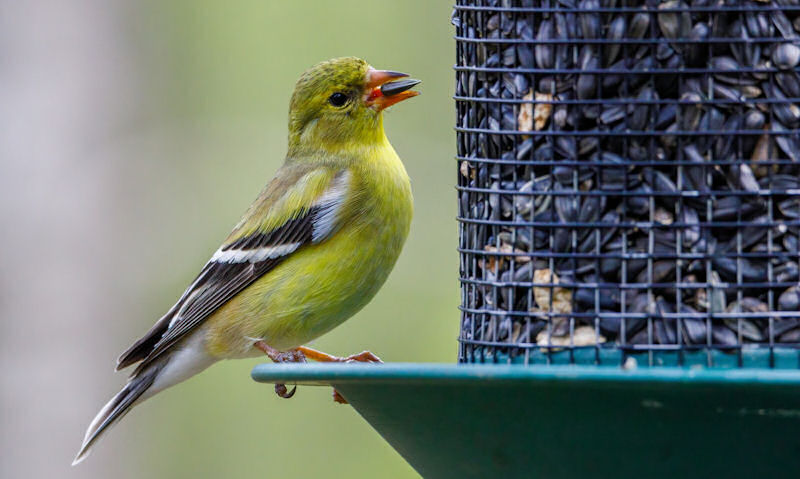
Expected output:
(337, 99)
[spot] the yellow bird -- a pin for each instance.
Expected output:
(312, 250)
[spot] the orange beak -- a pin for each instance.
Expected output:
(381, 91)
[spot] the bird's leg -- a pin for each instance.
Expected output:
(364, 357)
(292, 356)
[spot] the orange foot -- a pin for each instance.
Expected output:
(363, 357)
(299, 355)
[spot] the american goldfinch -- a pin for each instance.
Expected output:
(312, 250)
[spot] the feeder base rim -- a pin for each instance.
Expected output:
(324, 374)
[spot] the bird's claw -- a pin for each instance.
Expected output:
(282, 391)
(362, 357)
(302, 354)
(338, 398)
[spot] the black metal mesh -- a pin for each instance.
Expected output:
(629, 180)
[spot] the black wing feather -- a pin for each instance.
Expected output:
(216, 284)
(220, 281)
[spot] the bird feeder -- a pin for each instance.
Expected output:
(629, 236)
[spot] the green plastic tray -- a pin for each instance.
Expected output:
(572, 421)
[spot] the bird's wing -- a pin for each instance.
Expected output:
(302, 205)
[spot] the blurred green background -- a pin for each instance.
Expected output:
(137, 135)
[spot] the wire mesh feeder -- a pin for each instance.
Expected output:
(629, 181)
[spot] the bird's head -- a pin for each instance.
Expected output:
(338, 104)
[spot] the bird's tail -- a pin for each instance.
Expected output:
(116, 408)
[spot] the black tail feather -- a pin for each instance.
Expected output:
(115, 409)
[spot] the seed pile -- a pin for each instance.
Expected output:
(629, 173)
